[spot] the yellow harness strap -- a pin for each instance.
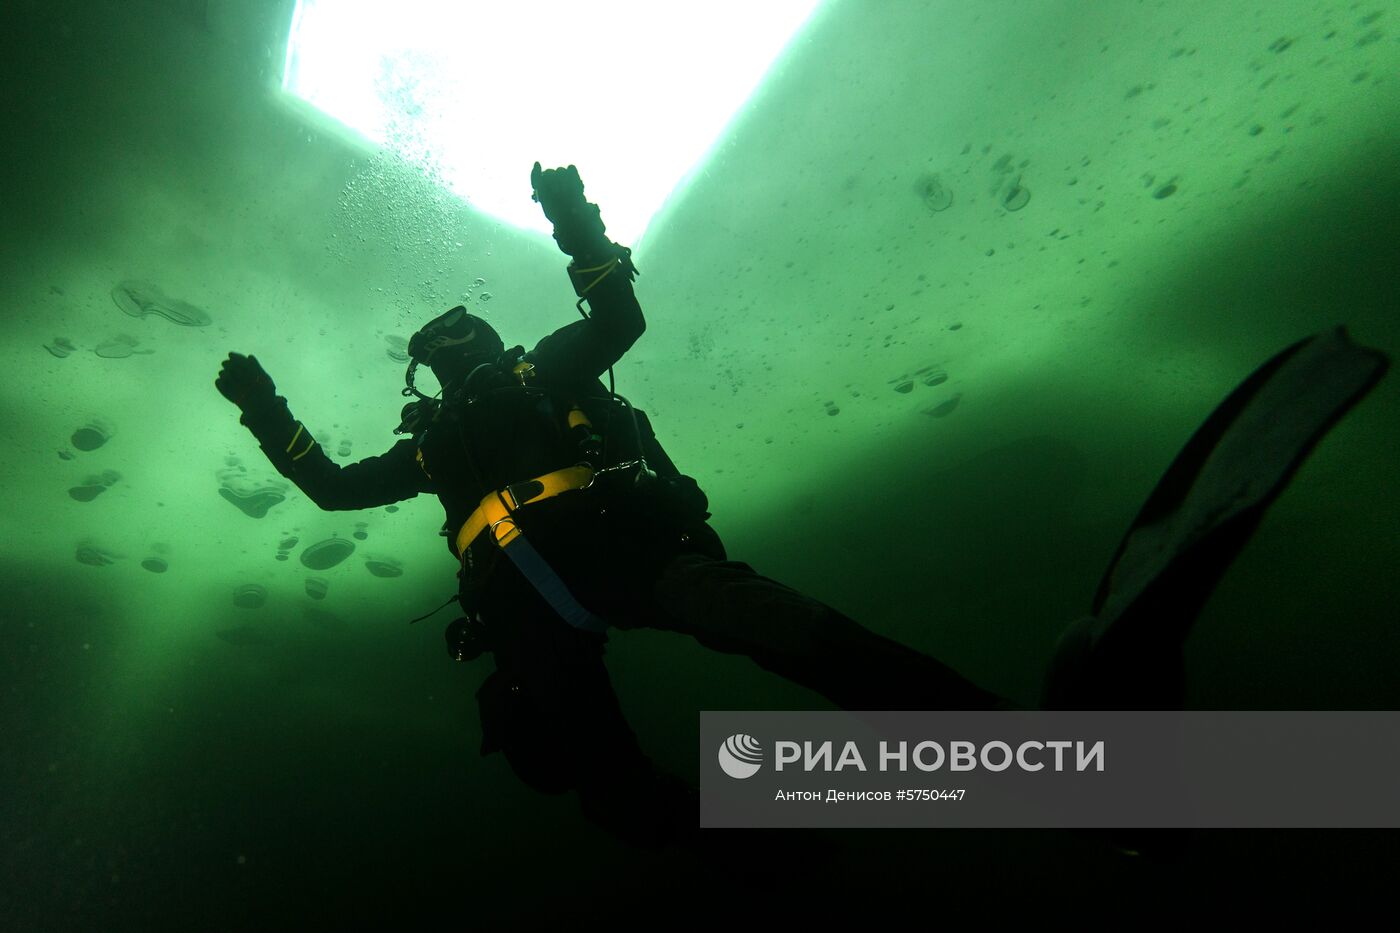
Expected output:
(493, 511)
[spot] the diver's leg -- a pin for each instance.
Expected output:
(551, 709)
(729, 607)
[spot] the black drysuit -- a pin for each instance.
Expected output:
(634, 557)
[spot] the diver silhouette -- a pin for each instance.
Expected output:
(568, 517)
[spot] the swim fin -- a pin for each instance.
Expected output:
(1128, 653)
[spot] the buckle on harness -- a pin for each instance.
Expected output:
(522, 493)
(510, 535)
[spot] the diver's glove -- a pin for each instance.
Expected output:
(243, 381)
(578, 224)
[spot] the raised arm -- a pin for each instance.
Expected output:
(390, 477)
(583, 350)
(601, 272)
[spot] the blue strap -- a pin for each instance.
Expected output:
(539, 573)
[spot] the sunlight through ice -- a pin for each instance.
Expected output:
(636, 93)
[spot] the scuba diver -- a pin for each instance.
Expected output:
(567, 517)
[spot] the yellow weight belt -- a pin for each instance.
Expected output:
(495, 508)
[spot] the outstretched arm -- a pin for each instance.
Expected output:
(390, 477)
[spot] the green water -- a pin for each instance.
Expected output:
(1094, 218)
